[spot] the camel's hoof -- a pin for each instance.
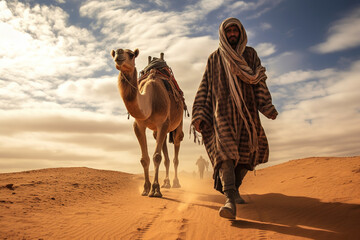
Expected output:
(166, 184)
(156, 194)
(146, 191)
(176, 183)
(155, 191)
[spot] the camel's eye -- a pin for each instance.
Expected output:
(131, 55)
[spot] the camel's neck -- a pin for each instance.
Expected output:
(136, 103)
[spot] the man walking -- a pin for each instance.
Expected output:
(226, 112)
(201, 163)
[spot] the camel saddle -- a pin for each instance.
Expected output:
(164, 72)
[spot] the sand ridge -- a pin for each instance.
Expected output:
(314, 198)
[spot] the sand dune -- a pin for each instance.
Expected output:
(314, 198)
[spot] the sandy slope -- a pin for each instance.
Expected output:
(314, 198)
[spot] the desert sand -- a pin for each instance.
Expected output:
(313, 198)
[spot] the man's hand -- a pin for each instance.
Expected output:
(273, 114)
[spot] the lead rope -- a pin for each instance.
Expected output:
(123, 75)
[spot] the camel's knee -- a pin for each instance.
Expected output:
(157, 159)
(145, 162)
(181, 136)
(178, 137)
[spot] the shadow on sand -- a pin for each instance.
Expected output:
(295, 215)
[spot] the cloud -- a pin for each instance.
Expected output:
(58, 86)
(101, 93)
(342, 35)
(301, 75)
(39, 40)
(283, 62)
(319, 117)
(246, 6)
(265, 26)
(207, 6)
(154, 31)
(61, 105)
(44, 154)
(187, 57)
(253, 9)
(66, 137)
(63, 121)
(265, 49)
(108, 142)
(49, 63)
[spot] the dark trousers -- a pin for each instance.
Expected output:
(231, 176)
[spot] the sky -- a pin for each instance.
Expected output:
(59, 102)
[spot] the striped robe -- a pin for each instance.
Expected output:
(224, 134)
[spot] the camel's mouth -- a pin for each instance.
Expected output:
(119, 60)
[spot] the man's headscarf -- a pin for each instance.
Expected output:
(233, 57)
(236, 67)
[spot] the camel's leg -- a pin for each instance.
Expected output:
(166, 162)
(160, 138)
(179, 135)
(145, 159)
(167, 165)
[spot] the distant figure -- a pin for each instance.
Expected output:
(226, 112)
(202, 163)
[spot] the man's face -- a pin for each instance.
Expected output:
(232, 35)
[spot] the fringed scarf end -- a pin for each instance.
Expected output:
(197, 136)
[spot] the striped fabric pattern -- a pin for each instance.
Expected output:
(223, 131)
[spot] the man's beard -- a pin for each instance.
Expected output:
(233, 41)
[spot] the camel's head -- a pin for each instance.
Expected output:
(124, 59)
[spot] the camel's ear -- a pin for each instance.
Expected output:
(112, 53)
(136, 52)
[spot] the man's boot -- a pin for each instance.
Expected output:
(238, 198)
(240, 172)
(229, 209)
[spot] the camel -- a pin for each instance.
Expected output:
(150, 104)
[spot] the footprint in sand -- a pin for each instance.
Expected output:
(145, 229)
(182, 229)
